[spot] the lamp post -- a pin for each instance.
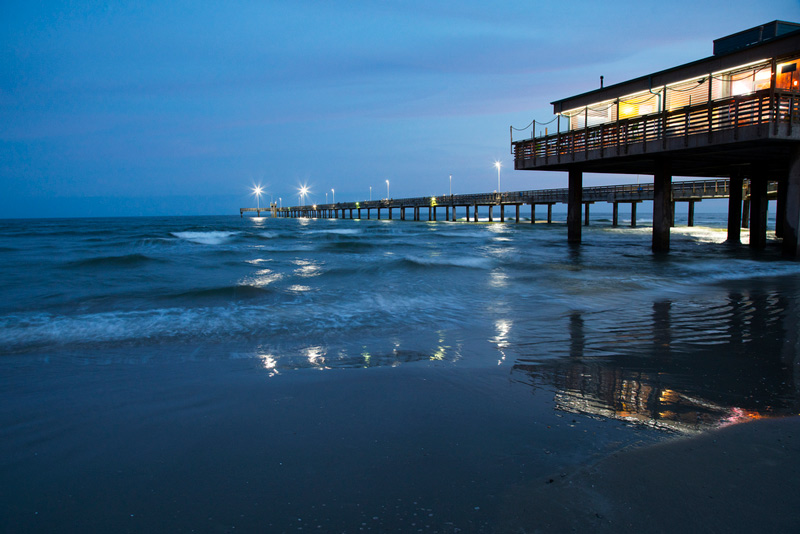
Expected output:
(387, 190)
(333, 196)
(451, 185)
(280, 202)
(303, 192)
(326, 198)
(498, 165)
(370, 193)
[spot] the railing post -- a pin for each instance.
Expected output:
(687, 116)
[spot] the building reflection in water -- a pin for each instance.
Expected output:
(685, 368)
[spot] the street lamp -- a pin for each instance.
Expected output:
(333, 196)
(303, 192)
(498, 165)
(257, 190)
(451, 185)
(387, 190)
(370, 193)
(326, 198)
(280, 202)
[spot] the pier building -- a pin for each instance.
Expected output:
(735, 114)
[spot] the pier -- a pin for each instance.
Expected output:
(731, 120)
(450, 206)
(735, 114)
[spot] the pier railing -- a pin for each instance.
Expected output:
(614, 138)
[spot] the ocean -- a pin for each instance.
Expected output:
(227, 374)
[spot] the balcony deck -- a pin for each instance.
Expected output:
(708, 139)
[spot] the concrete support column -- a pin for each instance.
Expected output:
(780, 212)
(758, 212)
(672, 215)
(517, 216)
(502, 213)
(447, 213)
(491, 209)
(390, 213)
(549, 213)
(434, 213)
(379, 214)
(691, 212)
(746, 212)
(586, 213)
(574, 197)
(454, 213)
(533, 213)
(791, 224)
(633, 214)
(662, 206)
(476, 213)
(615, 215)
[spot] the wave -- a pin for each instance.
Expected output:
(438, 261)
(215, 237)
(347, 246)
(128, 260)
(240, 322)
(338, 231)
(225, 293)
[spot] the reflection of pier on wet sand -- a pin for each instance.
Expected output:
(674, 370)
(670, 373)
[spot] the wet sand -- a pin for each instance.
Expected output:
(742, 478)
(222, 447)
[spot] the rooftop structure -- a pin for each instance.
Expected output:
(734, 114)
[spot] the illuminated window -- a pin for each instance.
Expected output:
(787, 77)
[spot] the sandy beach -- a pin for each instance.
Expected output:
(742, 478)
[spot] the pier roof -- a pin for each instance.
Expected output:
(775, 39)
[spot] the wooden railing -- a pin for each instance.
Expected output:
(614, 138)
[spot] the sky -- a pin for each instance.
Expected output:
(181, 107)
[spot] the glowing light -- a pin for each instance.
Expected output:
(257, 191)
(387, 189)
(498, 165)
(303, 192)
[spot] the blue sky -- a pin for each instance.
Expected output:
(178, 108)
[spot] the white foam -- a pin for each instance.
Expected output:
(205, 238)
(339, 231)
(470, 262)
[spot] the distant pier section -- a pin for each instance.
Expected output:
(431, 208)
